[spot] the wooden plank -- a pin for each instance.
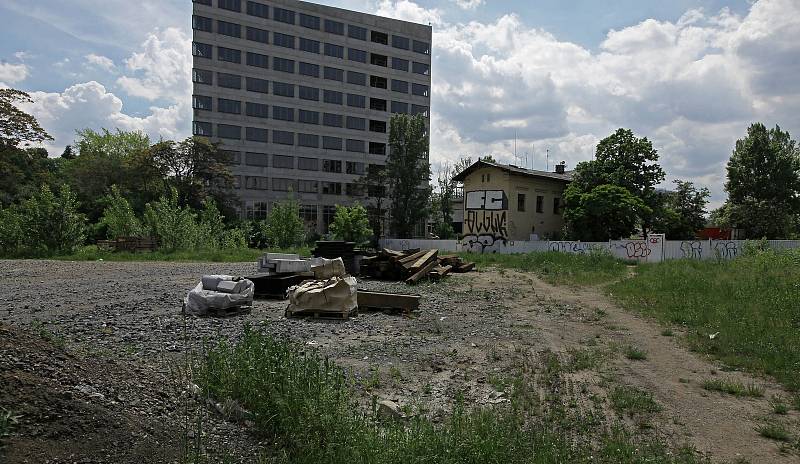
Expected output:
(409, 258)
(465, 268)
(382, 300)
(422, 272)
(422, 261)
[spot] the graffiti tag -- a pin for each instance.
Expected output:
(692, 250)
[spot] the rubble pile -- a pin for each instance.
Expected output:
(411, 266)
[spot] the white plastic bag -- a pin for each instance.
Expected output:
(219, 295)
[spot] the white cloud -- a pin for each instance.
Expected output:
(163, 69)
(408, 11)
(468, 4)
(11, 73)
(102, 62)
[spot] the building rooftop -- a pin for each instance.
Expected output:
(514, 170)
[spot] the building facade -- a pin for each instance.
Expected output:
(300, 96)
(505, 202)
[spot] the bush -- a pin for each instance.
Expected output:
(171, 224)
(284, 228)
(351, 224)
(119, 218)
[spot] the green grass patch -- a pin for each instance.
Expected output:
(306, 408)
(7, 421)
(779, 406)
(752, 301)
(774, 431)
(667, 332)
(92, 253)
(557, 268)
(634, 353)
(733, 388)
(632, 401)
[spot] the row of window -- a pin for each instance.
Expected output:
(330, 26)
(301, 186)
(539, 204)
(308, 213)
(302, 163)
(233, 55)
(257, 134)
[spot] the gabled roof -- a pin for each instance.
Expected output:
(513, 170)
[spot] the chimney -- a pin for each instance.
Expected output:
(561, 168)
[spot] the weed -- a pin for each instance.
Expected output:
(796, 400)
(774, 431)
(635, 353)
(427, 389)
(779, 406)
(581, 360)
(7, 421)
(631, 400)
(667, 332)
(374, 380)
(734, 388)
(55, 339)
(395, 374)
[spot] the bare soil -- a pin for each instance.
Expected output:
(93, 359)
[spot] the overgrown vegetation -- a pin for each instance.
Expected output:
(351, 224)
(306, 406)
(7, 421)
(632, 401)
(733, 387)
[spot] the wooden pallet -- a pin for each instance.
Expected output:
(321, 314)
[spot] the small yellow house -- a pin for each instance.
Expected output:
(505, 202)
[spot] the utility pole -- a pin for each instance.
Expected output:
(547, 158)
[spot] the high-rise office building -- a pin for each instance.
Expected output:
(301, 95)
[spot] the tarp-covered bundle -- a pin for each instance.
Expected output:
(334, 296)
(219, 295)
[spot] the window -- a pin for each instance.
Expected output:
(257, 35)
(237, 181)
(200, 102)
(399, 86)
(282, 89)
(336, 51)
(307, 164)
(356, 32)
(258, 60)
(556, 205)
(256, 159)
(331, 188)
(354, 54)
(229, 81)
(378, 82)
(255, 84)
(309, 212)
(354, 167)
(308, 186)
(378, 60)
(203, 129)
(356, 123)
(202, 23)
(331, 166)
(356, 78)
(282, 113)
(308, 69)
(377, 104)
(308, 93)
(282, 162)
(332, 120)
(308, 117)
(229, 29)
(331, 143)
(355, 146)
(540, 204)
(377, 126)
(380, 37)
(422, 47)
(401, 42)
(229, 106)
(399, 107)
(399, 64)
(255, 134)
(311, 22)
(258, 209)
(283, 185)
(232, 5)
(334, 74)
(521, 202)
(419, 109)
(328, 213)
(421, 68)
(283, 16)
(282, 64)
(283, 137)
(257, 9)
(308, 140)
(202, 76)
(333, 97)
(257, 110)
(308, 45)
(376, 148)
(357, 101)
(257, 183)
(283, 40)
(229, 54)
(226, 131)
(419, 89)
(334, 27)
(202, 50)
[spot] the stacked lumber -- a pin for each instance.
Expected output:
(412, 266)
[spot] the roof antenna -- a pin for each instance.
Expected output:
(547, 157)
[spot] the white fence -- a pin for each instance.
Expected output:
(654, 249)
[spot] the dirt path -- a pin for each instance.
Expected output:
(715, 423)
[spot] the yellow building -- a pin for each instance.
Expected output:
(508, 203)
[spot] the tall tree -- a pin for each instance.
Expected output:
(374, 183)
(16, 126)
(409, 173)
(682, 212)
(442, 202)
(606, 212)
(764, 182)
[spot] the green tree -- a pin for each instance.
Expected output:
(351, 224)
(488, 159)
(51, 223)
(607, 212)
(16, 126)
(284, 227)
(374, 183)
(408, 173)
(681, 212)
(24, 171)
(764, 183)
(119, 218)
(173, 225)
(720, 217)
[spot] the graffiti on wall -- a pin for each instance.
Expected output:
(725, 249)
(575, 247)
(485, 220)
(692, 249)
(650, 249)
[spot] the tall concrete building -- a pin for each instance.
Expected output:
(301, 96)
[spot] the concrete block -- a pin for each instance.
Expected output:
(276, 256)
(292, 265)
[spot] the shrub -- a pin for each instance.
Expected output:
(351, 224)
(50, 223)
(284, 228)
(119, 217)
(171, 224)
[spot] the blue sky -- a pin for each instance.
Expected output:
(689, 75)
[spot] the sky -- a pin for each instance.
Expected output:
(546, 76)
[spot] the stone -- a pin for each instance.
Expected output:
(389, 409)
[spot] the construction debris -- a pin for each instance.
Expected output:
(412, 266)
(219, 295)
(381, 301)
(334, 298)
(338, 249)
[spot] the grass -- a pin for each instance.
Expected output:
(306, 408)
(631, 400)
(557, 268)
(779, 406)
(634, 353)
(667, 332)
(774, 431)
(751, 301)
(7, 421)
(92, 253)
(734, 388)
